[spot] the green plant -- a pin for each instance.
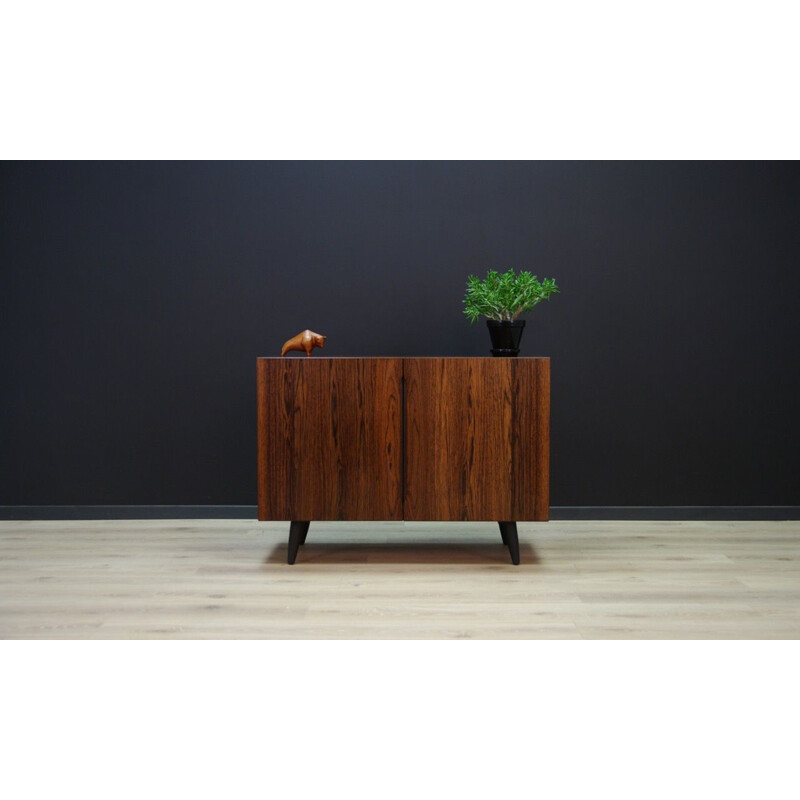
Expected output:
(505, 296)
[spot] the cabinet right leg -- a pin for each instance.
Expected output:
(508, 530)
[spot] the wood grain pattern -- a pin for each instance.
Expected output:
(477, 438)
(330, 439)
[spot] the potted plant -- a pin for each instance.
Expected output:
(501, 298)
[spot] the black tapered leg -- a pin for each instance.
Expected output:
(508, 530)
(503, 533)
(297, 536)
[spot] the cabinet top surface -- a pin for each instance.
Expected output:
(378, 358)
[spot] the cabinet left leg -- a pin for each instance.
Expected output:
(297, 536)
(508, 530)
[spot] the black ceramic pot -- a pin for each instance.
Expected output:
(505, 337)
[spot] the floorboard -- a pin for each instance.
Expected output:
(228, 579)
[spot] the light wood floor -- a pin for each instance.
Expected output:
(224, 579)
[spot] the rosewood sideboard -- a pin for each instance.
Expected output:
(403, 439)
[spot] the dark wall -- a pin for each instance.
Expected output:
(135, 297)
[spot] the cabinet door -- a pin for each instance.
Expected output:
(477, 438)
(329, 438)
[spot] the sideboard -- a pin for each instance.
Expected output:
(403, 439)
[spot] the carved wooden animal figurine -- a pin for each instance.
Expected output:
(305, 340)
